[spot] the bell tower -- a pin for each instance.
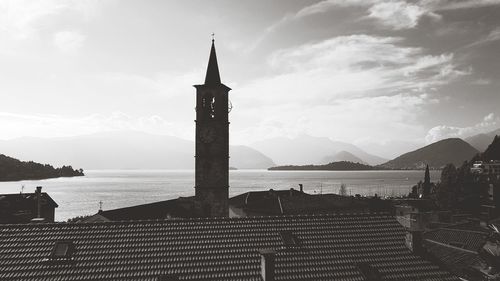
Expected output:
(212, 143)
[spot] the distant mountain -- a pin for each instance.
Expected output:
(123, 150)
(481, 141)
(493, 150)
(12, 169)
(343, 156)
(304, 150)
(244, 157)
(436, 155)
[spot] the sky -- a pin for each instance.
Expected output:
(384, 75)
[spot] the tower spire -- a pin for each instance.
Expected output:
(213, 76)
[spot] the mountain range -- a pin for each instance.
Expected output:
(138, 150)
(123, 150)
(481, 141)
(343, 156)
(307, 150)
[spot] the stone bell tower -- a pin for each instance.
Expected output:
(212, 142)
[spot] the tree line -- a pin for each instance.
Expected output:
(12, 169)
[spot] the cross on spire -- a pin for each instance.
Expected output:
(213, 37)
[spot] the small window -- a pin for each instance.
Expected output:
(289, 239)
(63, 250)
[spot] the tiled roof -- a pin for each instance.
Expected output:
(19, 200)
(289, 202)
(21, 207)
(322, 203)
(457, 247)
(329, 248)
(471, 225)
(466, 239)
(457, 260)
(180, 207)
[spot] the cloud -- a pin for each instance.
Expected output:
(68, 42)
(494, 35)
(441, 5)
(397, 15)
(21, 19)
(348, 119)
(393, 14)
(43, 125)
(160, 103)
(355, 65)
(481, 81)
(345, 87)
(489, 123)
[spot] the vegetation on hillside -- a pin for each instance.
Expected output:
(436, 155)
(12, 169)
(459, 188)
(334, 166)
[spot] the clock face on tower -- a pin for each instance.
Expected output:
(207, 134)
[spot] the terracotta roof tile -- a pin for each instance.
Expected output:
(214, 249)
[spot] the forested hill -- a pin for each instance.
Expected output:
(436, 155)
(334, 166)
(12, 169)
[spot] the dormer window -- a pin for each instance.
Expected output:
(62, 250)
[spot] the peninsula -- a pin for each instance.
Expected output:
(12, 169)
(333, 166)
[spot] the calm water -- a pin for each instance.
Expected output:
(121, 188)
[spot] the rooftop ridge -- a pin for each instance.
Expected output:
(24, 193)
(450, 246)
(215, 219)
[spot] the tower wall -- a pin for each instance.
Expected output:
(212, 150)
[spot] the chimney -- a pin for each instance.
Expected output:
(267, 257)
(38, 194)
(301, 188)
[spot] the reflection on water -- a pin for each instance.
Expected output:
(121, 188)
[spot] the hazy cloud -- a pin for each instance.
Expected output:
(43, 125)
(481, 81)
(68, 42)
(489, 123)
(22, 19)
(335, 67)
(394, 14)
(325, 84)
(494, 35)
(461, 4)
(19, 18)
(348, 119)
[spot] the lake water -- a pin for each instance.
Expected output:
(121, 188)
